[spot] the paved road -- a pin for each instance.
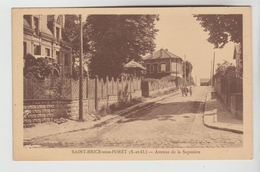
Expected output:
(174, 122)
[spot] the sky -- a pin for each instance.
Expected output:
(183, 36)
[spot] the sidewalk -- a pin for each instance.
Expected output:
(217, 116)
(51, 128)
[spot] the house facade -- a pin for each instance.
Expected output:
(163, 63)
(43, 36)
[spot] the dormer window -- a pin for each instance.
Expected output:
(58, 33)
(36, 25)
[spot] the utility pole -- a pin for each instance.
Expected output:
(184, 69)
(81, 72)
(176, 74)
(213, 70)
(210, 75)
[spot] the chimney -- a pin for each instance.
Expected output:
(151, 54)
(166, 49)
(161, 50)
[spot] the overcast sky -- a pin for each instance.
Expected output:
(182, 34)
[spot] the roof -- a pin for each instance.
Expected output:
(161, 54)
(133, 64)
(25, 23)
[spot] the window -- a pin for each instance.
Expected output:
(163, 67)
(37, 50)
(148, 68)
(152, 68)
(24, 49)
(66, 60)
(58, 57)
(47, 52)
(36, 25)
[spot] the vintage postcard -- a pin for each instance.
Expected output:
(147, 83)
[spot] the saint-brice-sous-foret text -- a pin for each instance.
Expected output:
(133, 151)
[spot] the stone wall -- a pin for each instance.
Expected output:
(40, 111)
(71, 109)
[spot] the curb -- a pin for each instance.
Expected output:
(214, 126)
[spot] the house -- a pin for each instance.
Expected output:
(163, 63)
(43, 36)
(134, 69)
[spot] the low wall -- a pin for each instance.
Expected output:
(107, 101)
(153, 92)
(151, 87)
(40, 111)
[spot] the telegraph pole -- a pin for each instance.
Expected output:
(184, 69)
(213, 70)
(176, 74)
(81, 72)
(210, 75)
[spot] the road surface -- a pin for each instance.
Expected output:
(174, 122)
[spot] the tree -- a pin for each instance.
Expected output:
(72, 31)
(189, 68)
(114, 39)
(222, 28)
(41, 67)
(223, 68)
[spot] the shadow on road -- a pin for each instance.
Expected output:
(164, 111)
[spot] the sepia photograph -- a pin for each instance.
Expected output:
(164, 83)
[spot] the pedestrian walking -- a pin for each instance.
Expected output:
(190, 90)
(182, 91)
(185, 90)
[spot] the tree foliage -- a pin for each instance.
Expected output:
(223, 68)
(222, 28)
(72, 31)
(41, 68)
(189, 68)
(114, 39)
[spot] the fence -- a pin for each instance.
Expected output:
(51, 98)
(230, 89)
(97, 92)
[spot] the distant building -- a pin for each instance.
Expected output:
(163, 63)
(43, 36)
(133, 68)
(204, 81)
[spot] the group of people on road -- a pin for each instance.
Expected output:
(185, 90)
